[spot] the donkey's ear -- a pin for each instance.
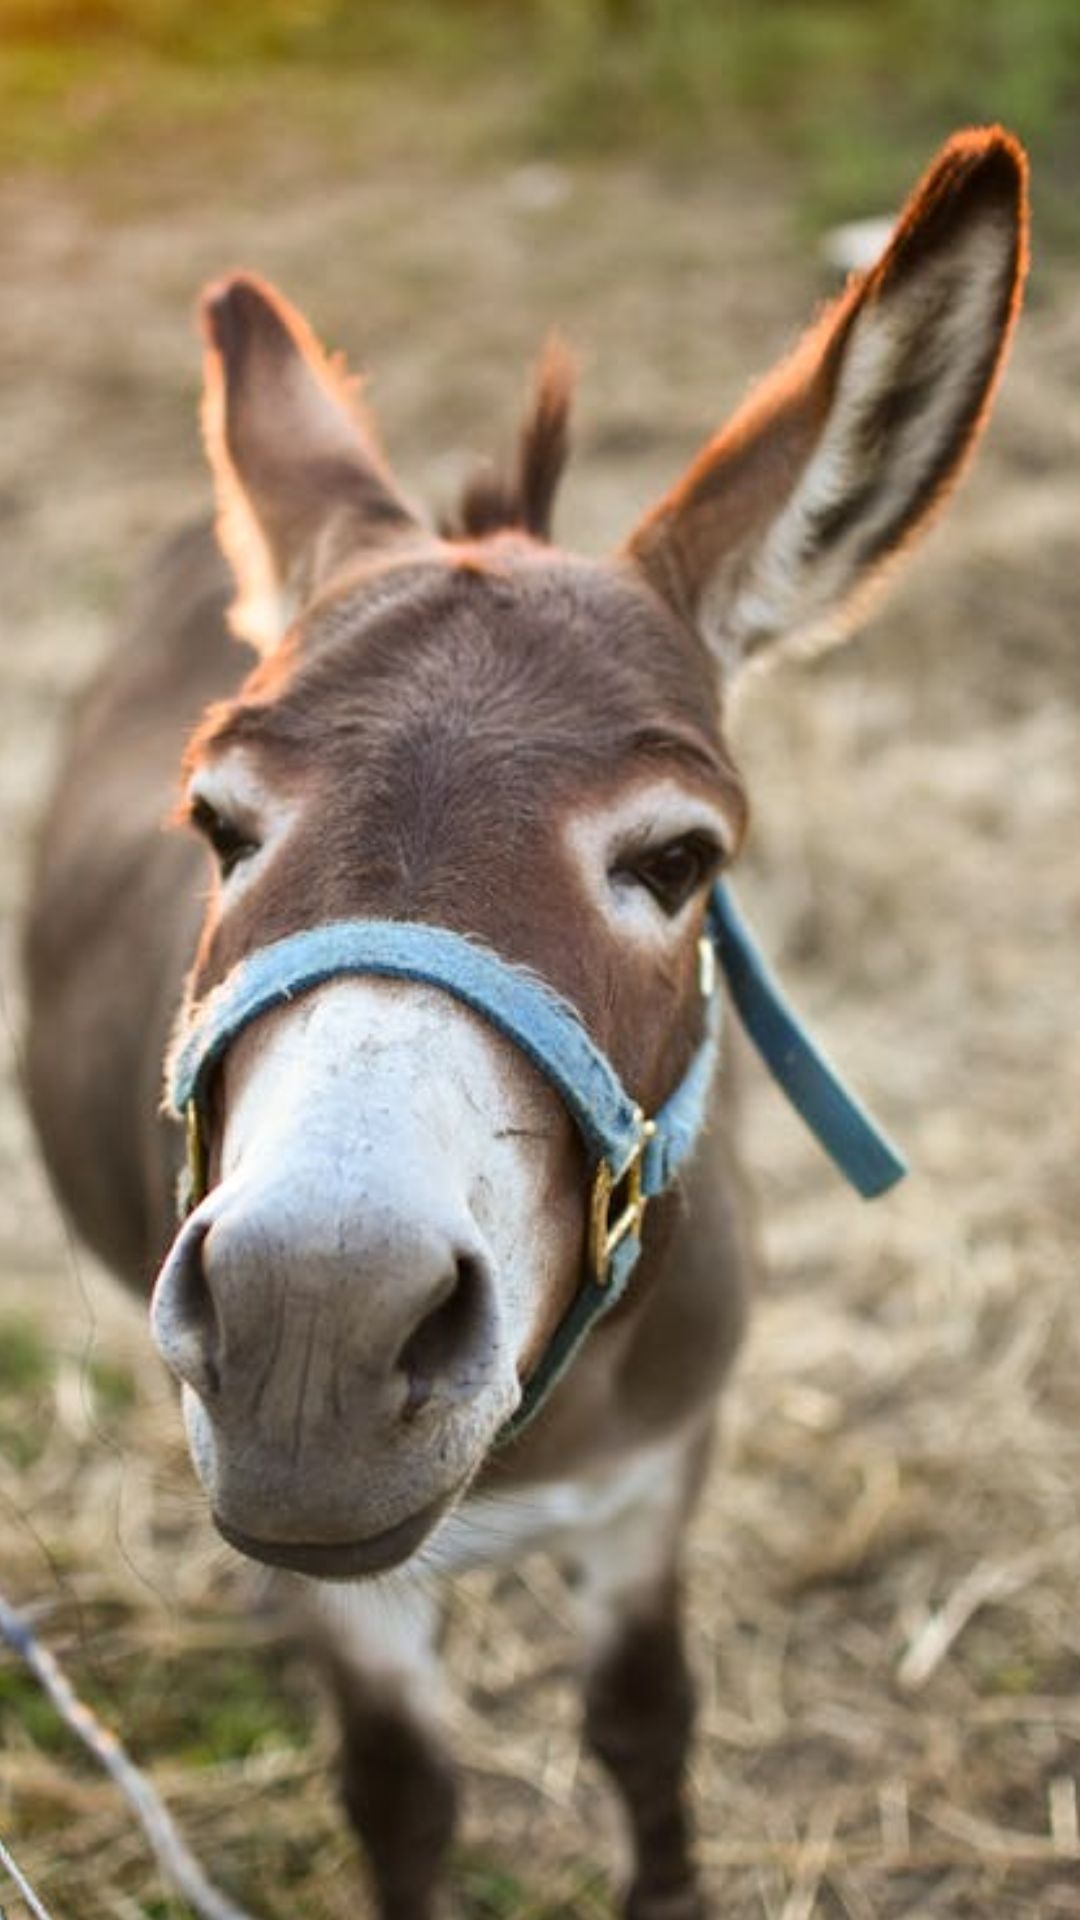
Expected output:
(301, 480)
(839, 458)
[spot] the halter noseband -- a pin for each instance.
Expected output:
(632, 1158)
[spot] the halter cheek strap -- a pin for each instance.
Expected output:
(632, 1158)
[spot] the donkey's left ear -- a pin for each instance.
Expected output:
(302, 483)
(833, 463)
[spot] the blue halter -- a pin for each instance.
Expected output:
(632, 1158)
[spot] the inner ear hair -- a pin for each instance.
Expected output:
(790, 516)
(302, 483)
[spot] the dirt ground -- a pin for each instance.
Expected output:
(885, 1571)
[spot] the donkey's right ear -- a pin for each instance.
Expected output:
(831, 467)
(301, 481)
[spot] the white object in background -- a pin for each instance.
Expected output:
(857, 244)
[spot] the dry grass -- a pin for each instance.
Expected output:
(884, 1575)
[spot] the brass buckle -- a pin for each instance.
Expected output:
(606, 1234)
(196, 1154)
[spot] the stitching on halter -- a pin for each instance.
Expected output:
(546, 1028)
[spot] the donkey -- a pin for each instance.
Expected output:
(466, 811)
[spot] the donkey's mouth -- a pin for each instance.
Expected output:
(350, 1560)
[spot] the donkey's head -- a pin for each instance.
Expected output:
(480, 733)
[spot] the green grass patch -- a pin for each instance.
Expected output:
(853, 96)
(26, 1370)
(208, 1708)
(112, 1386)
(26, 1365)
(489, 1889)
(203, 1708)
(26, 1714)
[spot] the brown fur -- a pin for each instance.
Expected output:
(524, 499)
(639, 1711)
(399, 1788)
(439, 709)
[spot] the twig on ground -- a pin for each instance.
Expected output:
(1064, 1822)
(11, 1868)
(174, 1856)
(987, 1584)
(812, 1861)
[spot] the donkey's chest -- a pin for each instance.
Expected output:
(567, 1516)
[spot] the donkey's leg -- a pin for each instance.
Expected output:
(397, 1780)
(639, 1695)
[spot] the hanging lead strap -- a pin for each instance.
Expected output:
(863, 1153)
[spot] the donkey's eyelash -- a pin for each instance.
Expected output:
(672, 870)
(649, 845)
(230, 841)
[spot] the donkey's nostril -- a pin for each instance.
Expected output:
(183, 1315)
(445, 1354)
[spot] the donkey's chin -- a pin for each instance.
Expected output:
(330, 1526)
(350, 1560)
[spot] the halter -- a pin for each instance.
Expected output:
(632, 1158)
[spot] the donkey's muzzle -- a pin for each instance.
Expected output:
(344, 1373)
(354, 1560)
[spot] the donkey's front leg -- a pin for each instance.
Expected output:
(398, 1783)
(639, 1695)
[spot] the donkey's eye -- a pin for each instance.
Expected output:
(229, 841)
(672, 873)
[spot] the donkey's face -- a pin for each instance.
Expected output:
(519, 747)
(483, 734)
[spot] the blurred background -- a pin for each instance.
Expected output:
(885, 1571)
(847, 91)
